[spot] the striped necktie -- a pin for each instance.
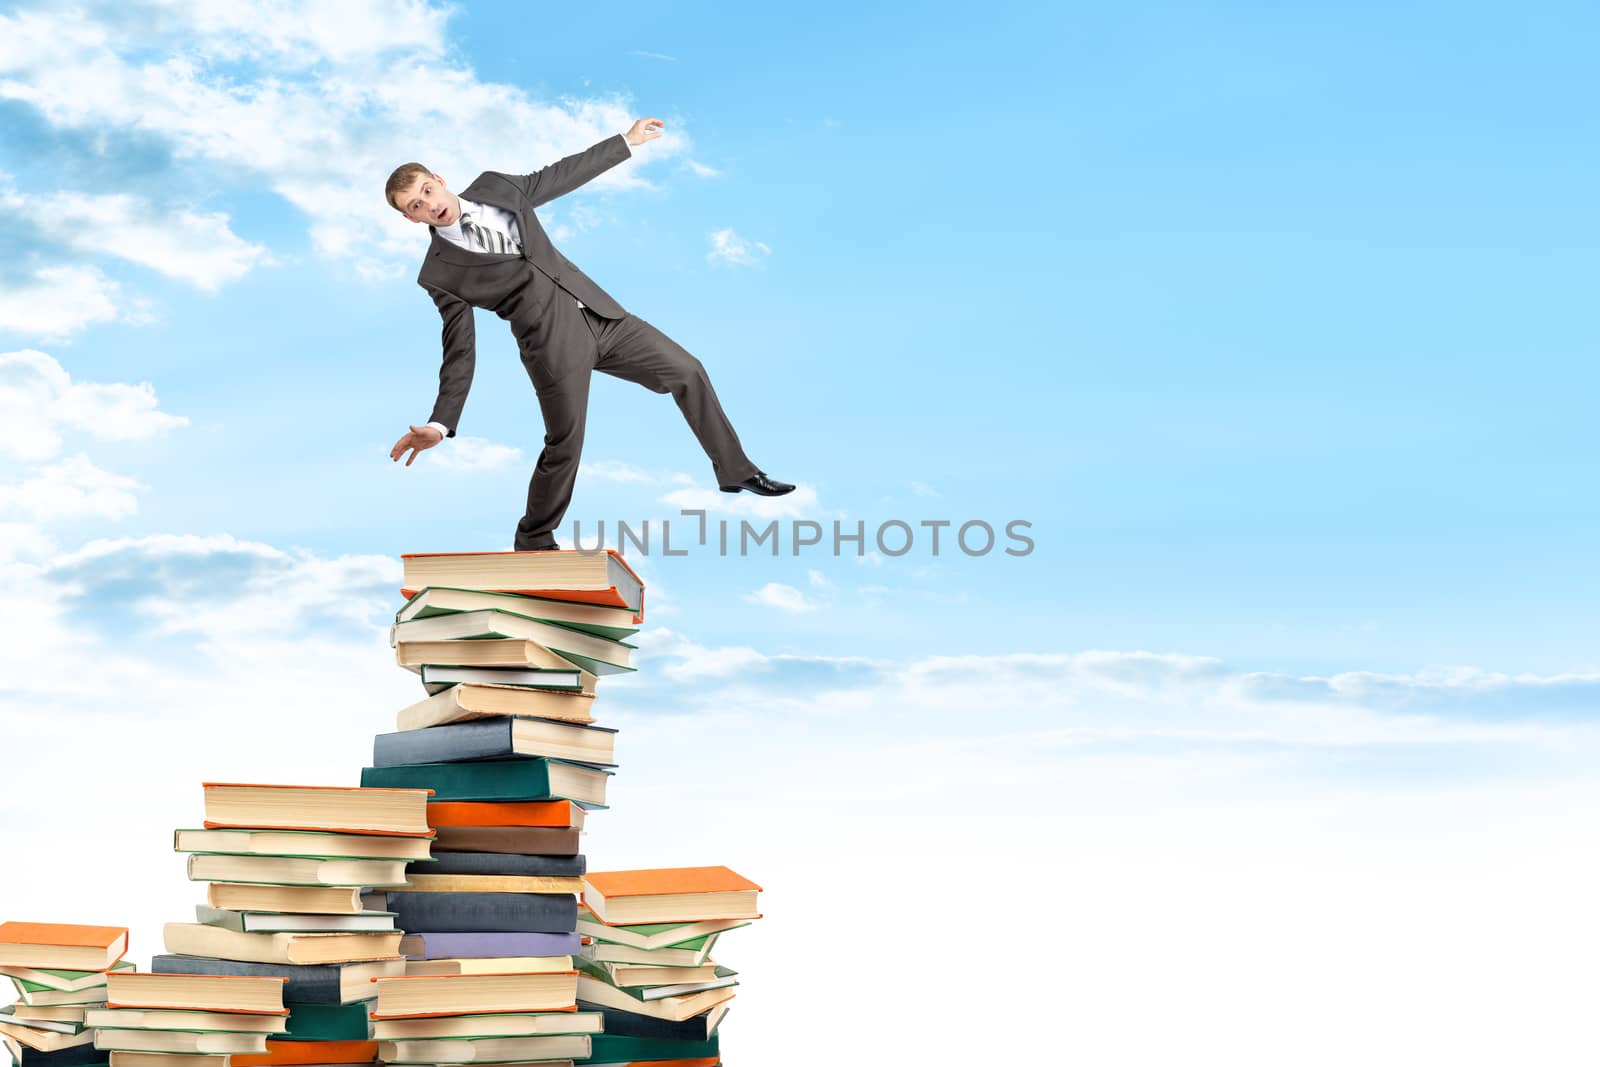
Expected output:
(485, 239)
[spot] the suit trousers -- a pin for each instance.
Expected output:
(633, 350)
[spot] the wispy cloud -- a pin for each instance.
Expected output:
(56, 302)
(783, 597)
(473, 454)
(704, 170)
(729, 248)
(653, 55)
(39, 401)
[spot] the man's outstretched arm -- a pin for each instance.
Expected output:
(459, 341)
(565, 175)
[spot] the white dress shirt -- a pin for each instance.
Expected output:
(489, 217)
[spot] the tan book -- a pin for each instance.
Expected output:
(61, 946)
(249, 994)
(492, 652)
(165, 1059)
(70, 1013)
(497, 965)
(486, 1049)
(468, 700)
(304, 843)
(674, 1009)
(291, 870)
(495, 883)
(163, 1019)
(44, 1040)
(317, 900)
(470, 994)
(631, 975)
(195, 939)
(495, 1025)
(670, 894)
(211, 1044)
(342, 809)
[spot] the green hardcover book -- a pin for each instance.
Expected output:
(41, 979)
(726, 977)
(617, 1048)
(597, 619)
(654, 935)
(497, 780)
(329, 1022)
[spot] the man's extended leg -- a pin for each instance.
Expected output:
(565, 405)
(634, 350)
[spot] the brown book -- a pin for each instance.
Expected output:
(473, 994)
(248, 994)
(341, 809)
(165, 1059)
(317, 900)
(512, 840)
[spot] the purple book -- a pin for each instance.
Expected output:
(486, 946)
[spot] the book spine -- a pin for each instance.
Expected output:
(481, 739)
(551, 913)
(500, 863)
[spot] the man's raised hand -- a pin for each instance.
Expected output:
(420, 439)
(644, 130)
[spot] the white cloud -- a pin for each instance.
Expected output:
(198, 248)
(58, 302)
(612, 470)
(473, 454)
(783, 597)
(704, 170)
(39, 400)
(923, 489)
(74, 488)
(350, 93)
(735, 251)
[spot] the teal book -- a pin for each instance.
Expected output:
(328, 1022)
(535, 778)
(617, 1048)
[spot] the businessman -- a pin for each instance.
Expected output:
(487, 250)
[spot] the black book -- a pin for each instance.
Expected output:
(494, 739)
(500, 863)
(77, 1056)
(625, 1023)
(466, 913)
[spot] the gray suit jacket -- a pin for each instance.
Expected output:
(533, 291)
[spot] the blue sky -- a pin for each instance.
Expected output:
(1271, 322)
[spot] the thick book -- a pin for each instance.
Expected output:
(595, 577)
(398, 812)
(291, 870)
(65, 946)
(243, 994)
(472, 994)
(213, 1043)
(486, 1049)
(631, 1024)
(670, 894)
(485, 912)
(509, 779)
(598, 655)
(622, 1048)
(602, 621)
(653, 935)
(272, 922)
(282, 1053)
(328, 1022)
(541, 813)
(195, 939)
(508, 840)
(469, 700)
(321, 900)
(496, 739)
(487, 945)
(327, 984)
(499, 1024)
(303, 844)
(501, 863)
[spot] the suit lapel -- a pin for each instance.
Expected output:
(486, 190)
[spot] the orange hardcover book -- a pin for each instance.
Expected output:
(669, 880)
(608, 580)
(63, 946)
(560, 814)
(670, 894)
(291, 1053)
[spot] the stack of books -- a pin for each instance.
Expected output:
(288, 907)
(508, 648)
(58, 972)
(647, 964)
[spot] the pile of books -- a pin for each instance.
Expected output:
(58, 972)
(278, 969)
(646, 964)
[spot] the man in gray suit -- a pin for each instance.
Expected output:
(487, 250)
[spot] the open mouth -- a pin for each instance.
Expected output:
(442, 212)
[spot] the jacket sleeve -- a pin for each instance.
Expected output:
(460, 357)
(565, 175)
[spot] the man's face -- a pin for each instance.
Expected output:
(429, 201)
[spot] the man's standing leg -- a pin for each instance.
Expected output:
(634, 350)
(565, 405)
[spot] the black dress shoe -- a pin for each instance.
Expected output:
(541, 548)
(760, 484)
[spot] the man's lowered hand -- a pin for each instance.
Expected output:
(420, 439)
